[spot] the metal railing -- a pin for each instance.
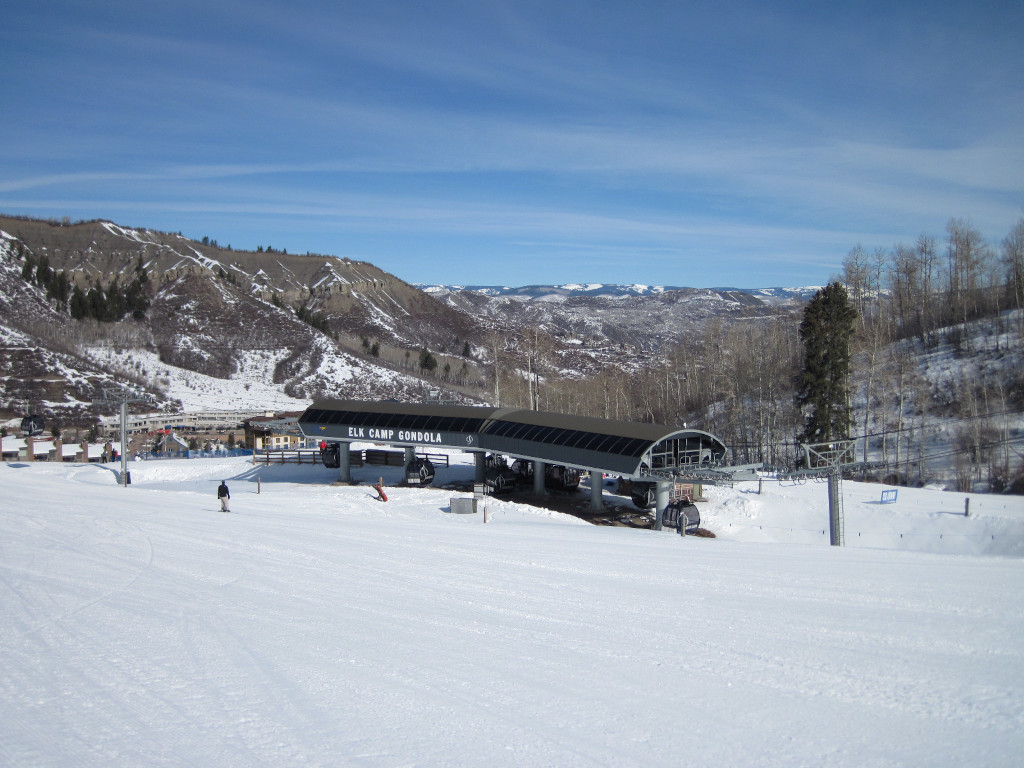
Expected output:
(371, 456)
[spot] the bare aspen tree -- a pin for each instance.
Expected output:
(922, 399)
(966, 254)
(872, 341)
(1013, 264)
(904, 287)
(537, 349)
(496, 342)
(926, 254)
(877, 267)
(531, 368)
(866, 274)
(855, 278)
(778, 349)
(1004, 431)
(902, 376)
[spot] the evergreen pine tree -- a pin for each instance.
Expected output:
(140, 272)
(136, 300)
(59, 287)
(96, 304)
(427, 361)
(116, 304)
(79, 304)
(822, 392)
(43, 272)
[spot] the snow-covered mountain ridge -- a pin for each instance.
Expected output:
(642, 318)
(218, 320)
(609, 291)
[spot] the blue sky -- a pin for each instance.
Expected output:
(743, 144)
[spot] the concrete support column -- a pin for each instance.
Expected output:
(539, 469)
(596, 498)
(410, 453)
(344, 462)
(661, 501)
(480, 470)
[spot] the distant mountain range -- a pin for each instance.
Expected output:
(639, 321)
(610, 291)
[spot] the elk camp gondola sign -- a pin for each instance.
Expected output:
(394, 435)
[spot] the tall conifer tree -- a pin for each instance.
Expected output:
(823, 392)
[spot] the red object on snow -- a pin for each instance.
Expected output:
(383, 496)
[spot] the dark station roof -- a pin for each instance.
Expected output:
(617, 447)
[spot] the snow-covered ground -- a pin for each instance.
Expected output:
(316, 626)
(251, 387)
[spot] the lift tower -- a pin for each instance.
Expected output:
(830, 460)
(122, 397)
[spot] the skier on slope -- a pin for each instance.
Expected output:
(223, 494)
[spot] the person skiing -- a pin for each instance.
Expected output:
(223, 494)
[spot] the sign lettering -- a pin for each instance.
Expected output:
(391, 435)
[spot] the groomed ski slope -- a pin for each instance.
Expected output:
(315, 626)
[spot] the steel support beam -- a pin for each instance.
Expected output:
(344, 462)
(539, 469)
(596, 492)
(661, 501)
(835, 509)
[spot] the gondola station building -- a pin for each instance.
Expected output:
(652, 453)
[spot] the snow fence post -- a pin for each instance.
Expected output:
(967, 506)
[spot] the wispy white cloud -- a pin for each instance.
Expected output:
(741, 130)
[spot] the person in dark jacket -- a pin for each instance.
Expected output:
(223, 494)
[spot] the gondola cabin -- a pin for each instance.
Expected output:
(31, 426)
